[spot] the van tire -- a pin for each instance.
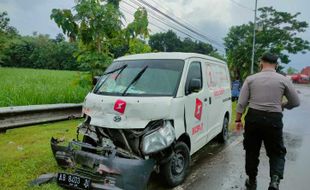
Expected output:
(175, 170)
(223, 136)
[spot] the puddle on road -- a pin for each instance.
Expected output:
(204, 159)
(292, 143)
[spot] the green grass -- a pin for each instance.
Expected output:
(38, 86)
(233, 116)
(25, 154)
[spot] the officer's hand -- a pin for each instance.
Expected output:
(283, 105)
(239, 126)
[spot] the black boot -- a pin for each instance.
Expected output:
(250, 183)
(274, 183)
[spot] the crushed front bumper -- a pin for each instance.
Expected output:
(106, 172)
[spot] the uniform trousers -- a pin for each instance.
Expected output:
(264, 127)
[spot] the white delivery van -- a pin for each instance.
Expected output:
(158, 106)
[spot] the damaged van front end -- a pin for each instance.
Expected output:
(114, 158)
(106, 170)
(128, 130)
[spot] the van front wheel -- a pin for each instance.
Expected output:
(176, 169)
(223, 136)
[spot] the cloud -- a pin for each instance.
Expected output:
(215, 17)
(199, 10)
(33, 15)
(211, 17)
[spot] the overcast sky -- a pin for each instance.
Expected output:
(211, 17)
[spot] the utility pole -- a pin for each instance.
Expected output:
(254, 38)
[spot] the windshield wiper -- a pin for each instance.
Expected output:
(137, 77)
(120, 68)
(120, 72)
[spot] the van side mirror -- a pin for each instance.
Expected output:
(95, 80)
(194, 86)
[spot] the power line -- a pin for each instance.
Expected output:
(132, 14)
(155, 25)
(241, 5)
(184, 20)
(150, 15)
(163, 21)
(170, 26)
(157, 17)
(180, 24)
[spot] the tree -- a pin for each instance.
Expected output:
(4, 25)
(165, 42)
(40, 52)
(7, 33)
(18, 52)
(60, 38)
(4, 21)
(138, 46)
(170, 42)
(97, 27)
(188, 45)
(291, 71)
(279, 35)
(36, 51)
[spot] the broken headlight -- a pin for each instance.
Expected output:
(159, 139)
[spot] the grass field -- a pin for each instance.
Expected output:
(37, 86)
(25, 153)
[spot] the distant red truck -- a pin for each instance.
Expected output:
(300, 78)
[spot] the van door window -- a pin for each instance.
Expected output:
(211, 79)
(194, 72)
(217, 76)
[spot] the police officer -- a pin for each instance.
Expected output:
(263, 93)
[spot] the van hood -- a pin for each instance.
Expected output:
(125, 112)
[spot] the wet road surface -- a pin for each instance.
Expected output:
(221, 167)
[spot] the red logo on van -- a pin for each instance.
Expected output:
(197, 129)
(198, 109)
(219, 92)
(120, 106)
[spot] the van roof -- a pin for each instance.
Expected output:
(168, 55)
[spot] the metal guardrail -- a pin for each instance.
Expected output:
(20, 116)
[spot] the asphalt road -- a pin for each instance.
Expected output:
(221, 167)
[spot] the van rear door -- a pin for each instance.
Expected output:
(218, 85)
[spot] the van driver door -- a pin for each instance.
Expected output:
(195, 106)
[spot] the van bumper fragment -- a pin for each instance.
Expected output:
(105, 172)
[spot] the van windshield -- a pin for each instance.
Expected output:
(141, 78)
